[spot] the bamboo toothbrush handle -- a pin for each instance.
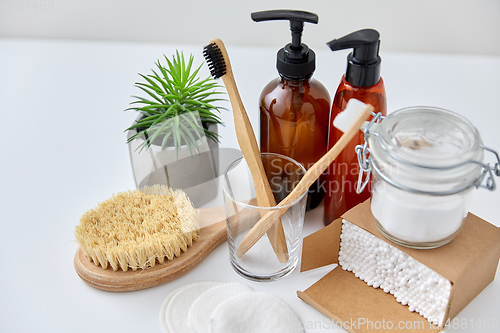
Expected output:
(267, 221)
(248, 145)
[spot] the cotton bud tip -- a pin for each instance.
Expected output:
(383, 266)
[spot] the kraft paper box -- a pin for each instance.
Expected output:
(469, 262)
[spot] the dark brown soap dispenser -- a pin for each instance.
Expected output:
(361, 81)
(295, 108)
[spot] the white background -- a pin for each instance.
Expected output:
(445, 26)
(63, 147)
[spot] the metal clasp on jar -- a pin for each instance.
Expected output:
(365, 164)
(488, 170)
(364, 157)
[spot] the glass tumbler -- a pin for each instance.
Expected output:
(260, 263)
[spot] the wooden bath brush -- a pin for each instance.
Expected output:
(138, 239)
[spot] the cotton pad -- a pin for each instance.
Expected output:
(254, 313)
(204, 305)
(163, 309)
(175, 308)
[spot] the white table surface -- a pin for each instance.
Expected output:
(64, 151)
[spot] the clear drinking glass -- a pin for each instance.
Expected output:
(260, 263)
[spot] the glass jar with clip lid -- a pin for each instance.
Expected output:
(425, 163)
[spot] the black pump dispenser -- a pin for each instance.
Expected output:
(294, 61)
(363, 64)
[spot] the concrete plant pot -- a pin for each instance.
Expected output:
(195, 174)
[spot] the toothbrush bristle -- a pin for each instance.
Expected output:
(348, 117)
(215, 60)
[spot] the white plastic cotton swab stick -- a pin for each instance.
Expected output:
(383, 266)
(349, 121)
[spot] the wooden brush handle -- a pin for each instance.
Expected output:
(268, 220)
(250, 150)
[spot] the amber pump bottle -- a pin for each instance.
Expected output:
(295, 108)
(361, 81)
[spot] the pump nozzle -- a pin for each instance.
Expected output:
(295, 60)
(296, 18)
(363, 67)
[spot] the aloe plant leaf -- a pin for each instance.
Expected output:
(194, 126)
(176, 136)
(188, 70)
(150, 88)
(188, 137)
(193, 78)
(189, 143)
(140, 125)
(133, 137)
(142, 102)
(174, 93)
(165, 140)
(173, 72)
(163, 71)
(164, 115)
(164, 84)
(208, 94)
(155, 106)
(212, 135)
(182, 68)
(158, 131)
(151, 82)
(149, 93)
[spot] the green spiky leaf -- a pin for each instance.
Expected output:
(177, 100)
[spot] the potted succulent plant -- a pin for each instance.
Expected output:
(174, 139)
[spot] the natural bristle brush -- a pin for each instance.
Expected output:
(220, 67)
(148, 237)
(134, 229)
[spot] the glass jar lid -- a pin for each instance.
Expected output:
(427, 149)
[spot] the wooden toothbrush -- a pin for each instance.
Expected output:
(219, 65)
(349, 122)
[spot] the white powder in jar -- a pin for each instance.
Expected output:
(416, 217)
